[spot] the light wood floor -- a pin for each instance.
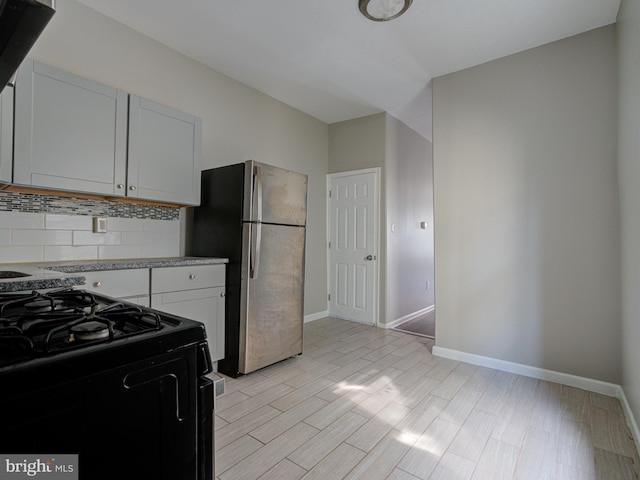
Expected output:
(369, 403)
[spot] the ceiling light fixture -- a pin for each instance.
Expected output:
(383, 10)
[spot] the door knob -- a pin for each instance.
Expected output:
(369, 257)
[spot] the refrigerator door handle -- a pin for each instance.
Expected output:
(256, 238)
(257, 179)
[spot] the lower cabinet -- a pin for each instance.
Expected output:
(130, 285)
(195, 292)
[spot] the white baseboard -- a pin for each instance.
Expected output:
(411, 316)
(315, 316)
(589, 384)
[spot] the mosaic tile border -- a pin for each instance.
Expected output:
(39, 203)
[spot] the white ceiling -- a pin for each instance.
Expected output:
(324, 58)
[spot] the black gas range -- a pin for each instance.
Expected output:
(119, 385)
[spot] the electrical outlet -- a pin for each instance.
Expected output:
(99, 224)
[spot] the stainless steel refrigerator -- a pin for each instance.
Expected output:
(255, 215)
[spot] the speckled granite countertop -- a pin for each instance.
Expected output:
(45, 275)
(128, 263)
(37, 278)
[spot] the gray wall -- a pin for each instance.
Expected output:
(409, 201)
(629, 179)
(526, 217)
(239, 123)
(406, 199)
(357, 144)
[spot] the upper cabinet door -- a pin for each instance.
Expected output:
(70, 132)
(6, 134)
(164, 153)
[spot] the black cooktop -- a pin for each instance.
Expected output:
(47, 330)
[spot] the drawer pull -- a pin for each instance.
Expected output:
(192, 276)
(97, 284)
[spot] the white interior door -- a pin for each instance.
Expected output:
(353, 233)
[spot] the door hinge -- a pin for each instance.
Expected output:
(329, 193)
(329, 245)
(329, 297)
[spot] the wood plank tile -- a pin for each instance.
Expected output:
(576, 404)
(382, 460)
(251, 421)
(450, 385)
(420, 417)
(347, 370)
(497, 461)
(453, 467)
(351, 356)
(398, 474)
(328, 414)
(610, 432)
(230, 399)
(275, 427)
(480, 378)
(337, 464)
(311, 373)
(265, 458)
(238, 410)
(612, 466)
(313, 451)
(284, 470)
(473, 436)
(512, 424)
(376, 428)
(461, 406)
(538, 457)
(415, 375)
(267, 382)
(426, 452)
(575, 445)
(548, 406)
(230, 455)
(300, 394)
(569, 472)
(443, 368)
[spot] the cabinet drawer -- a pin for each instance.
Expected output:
(118, 283)
(172, 279)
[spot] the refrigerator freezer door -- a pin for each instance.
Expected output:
(271, 316)
(274, 195)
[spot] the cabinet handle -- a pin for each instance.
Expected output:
(192, 276)
(222, 294)
(120, 186)
(97, 284)
(132, 187)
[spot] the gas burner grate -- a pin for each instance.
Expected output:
(72, 320)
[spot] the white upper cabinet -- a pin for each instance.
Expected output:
(70, 132)
(164, 153)
(78, 135)
(6, 134)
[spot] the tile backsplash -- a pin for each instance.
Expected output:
(35, 228)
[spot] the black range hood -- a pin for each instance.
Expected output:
(21, 22)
